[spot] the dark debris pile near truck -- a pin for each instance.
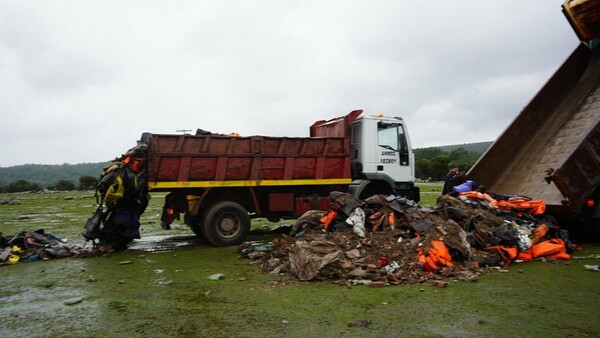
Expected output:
(41, 245)
(393, 241)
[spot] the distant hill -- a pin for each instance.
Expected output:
(46, 175)
(431, 162)
(479, 147)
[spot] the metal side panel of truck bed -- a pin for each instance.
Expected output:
(551, 150)
(189, 161)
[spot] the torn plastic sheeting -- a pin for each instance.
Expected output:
(346, 201)
(455, 238)
(357, 220)
(216, 276)
(422, 226)
(523, 234)
(309, 219)
(391, 268)
(308, 259)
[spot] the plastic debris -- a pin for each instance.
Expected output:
(216, 276)
(391, 268)
(592, 267)
(73, 301)
(357, 221)
(361, 281)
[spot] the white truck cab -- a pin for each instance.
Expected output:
(381, 155)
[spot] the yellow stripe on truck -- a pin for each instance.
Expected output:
(246, 183)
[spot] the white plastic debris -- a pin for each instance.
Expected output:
(592, 267)
(361, 281)
(216, 276)
(391, 268)
(357, 220)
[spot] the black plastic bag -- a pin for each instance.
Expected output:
(92, 225)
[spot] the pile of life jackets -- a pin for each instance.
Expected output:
(519, 204)
(537, 243)
(435, 257)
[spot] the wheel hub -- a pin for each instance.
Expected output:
(227, 225)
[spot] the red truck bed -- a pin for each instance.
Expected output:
(186, 161)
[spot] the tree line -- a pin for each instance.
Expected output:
(432, 163)
(62, 177)
(86, 182)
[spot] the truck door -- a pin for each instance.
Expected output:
(393, 155)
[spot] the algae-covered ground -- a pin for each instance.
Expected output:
(159, 287)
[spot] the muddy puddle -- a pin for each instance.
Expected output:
(159, 243)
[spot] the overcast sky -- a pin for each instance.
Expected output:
(81, 80)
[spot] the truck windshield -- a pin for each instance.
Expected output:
(391, 136)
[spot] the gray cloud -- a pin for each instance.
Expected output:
(82, 80)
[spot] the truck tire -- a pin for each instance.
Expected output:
(194, 222)
(591, 230)
(225, 223)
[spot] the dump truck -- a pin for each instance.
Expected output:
(219, 182)
(551, 150)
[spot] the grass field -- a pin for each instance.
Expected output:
(160, 288)
(430, 192)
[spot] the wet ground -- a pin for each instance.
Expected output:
(160, 287)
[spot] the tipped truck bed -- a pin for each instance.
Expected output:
(551, 150)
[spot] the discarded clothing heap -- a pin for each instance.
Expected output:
(392, 240)
(42, 245)
(32, 247)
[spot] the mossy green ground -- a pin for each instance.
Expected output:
(163, 290)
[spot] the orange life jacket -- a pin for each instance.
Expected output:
(536, 207)
(563, 255)
(508, 253)
(436, 258)
(548, 248)
(328, 218)
(525, 256)
(391, 219)
(481, 196)
(377, 219)
(539, 233)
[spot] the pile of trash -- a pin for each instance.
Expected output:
(389, 240)
(34, 246)
(42, 245)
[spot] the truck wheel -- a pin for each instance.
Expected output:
(226, 223)
(197, 229)
(592, 230)
(194, 222)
